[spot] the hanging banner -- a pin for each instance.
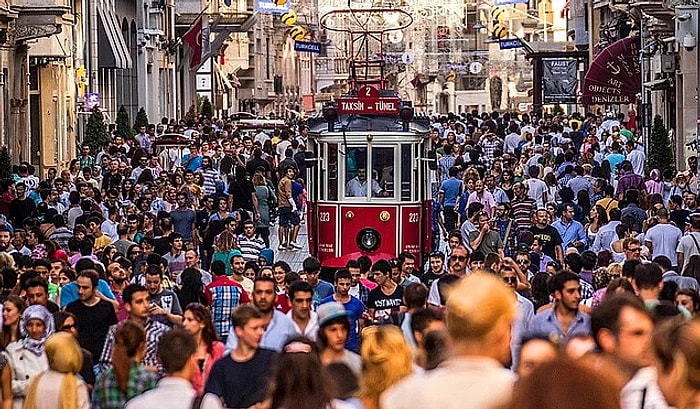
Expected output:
(559, 80)
(498, 3)
(615, 75)
(271, 6)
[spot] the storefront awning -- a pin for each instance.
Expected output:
(113, 52)
(614, 76)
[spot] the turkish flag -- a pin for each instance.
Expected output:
(193, 38)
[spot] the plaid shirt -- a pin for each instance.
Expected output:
(154, 331)
(107, 394)
(489, 147)
(224, 295)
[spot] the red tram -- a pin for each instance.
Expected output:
(369, 190)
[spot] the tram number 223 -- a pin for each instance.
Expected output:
(324, 217)
(413, 217)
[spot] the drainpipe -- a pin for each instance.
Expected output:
(94, 61)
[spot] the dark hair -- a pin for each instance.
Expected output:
(191, 287)
(382, 266)
(299, 286)
(129, 291)
(647, 276)
(203, 315)
(322, 338)
(342, 273)
(557, 282)
(693, 294)
(175, 349)
(663, 262)
(36, 282)
(421, 318)
(283, 265)
(295, 381)
(92, 276)
(311, 264)
(607, 314)
(415, 294)
(574, 262)
(217, 268)
(629, 267)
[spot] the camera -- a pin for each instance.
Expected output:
(689, 42)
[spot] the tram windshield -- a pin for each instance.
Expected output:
(375, 177)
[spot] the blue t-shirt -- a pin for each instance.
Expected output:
(451, 188)
(322, 290)
(69, 292)
(615, 159)
(195, 164)
(356, 309)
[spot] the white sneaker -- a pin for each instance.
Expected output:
(281, 247)
(295, 245)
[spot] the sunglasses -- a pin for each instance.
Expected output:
(522, 262)
(69, 327)
(510, 279)
(458, 258)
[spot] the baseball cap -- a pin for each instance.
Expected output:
(330, 311)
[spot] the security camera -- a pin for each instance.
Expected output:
(683, 17)
(689, 42)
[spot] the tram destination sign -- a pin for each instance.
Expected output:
(376, 106)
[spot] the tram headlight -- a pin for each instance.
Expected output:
(368, 239)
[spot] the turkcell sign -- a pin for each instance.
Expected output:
(271, 6)
(508, 2)
(510, 44)
(376, 106)
(304, 46)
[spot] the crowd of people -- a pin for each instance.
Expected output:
(563, 274)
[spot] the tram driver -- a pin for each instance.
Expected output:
(357, 186)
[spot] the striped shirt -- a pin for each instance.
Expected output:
(250, 247)
(522, 210)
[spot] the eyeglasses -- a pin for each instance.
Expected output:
(459, 258)
(69, 327)
(510, 279)
(522, 261)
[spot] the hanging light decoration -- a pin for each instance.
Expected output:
(289, 18)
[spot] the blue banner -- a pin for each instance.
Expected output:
(508, 2)
(510, 44)
(271, 6)
(304, 46)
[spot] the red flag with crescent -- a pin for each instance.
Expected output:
(193, 38)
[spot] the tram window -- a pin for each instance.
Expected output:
(406, 170)
(332, 172)
(383, 170)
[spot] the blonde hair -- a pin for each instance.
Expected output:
(226, 241)
(615, 269)
(387, 358)
(476, 305)
(6, 260)
(65, 356)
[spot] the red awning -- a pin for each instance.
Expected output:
(614, 76)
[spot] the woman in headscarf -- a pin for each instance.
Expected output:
(26, 355)
(655, 184)
(59, 387)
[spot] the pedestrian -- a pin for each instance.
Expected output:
(240, 377)
(333, 334)
(27, 356)
(175, 391)
(198, 322)
(473, 377)
(59, 387)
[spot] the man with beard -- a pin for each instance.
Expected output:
(565, 320)
(622, 328)
(94, 314)
(279, 327)
(118, 283)
(5, 240)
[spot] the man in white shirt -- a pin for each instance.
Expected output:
(357, 186)
(537, 189)
(305, 320)
(662, 239)
(636, 156)
(512, 140)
